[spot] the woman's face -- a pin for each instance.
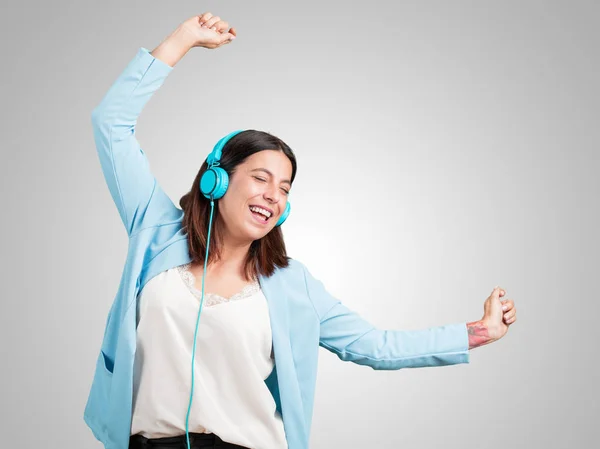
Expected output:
(262, 180)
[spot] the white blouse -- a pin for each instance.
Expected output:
(233, 358)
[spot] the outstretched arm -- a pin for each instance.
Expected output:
(354, 339)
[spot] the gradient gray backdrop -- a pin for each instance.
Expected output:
(443, 148)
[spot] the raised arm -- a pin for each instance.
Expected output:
(140, 200)
(354, 339)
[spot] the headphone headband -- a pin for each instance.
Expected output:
(215, 155)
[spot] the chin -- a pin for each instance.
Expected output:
(262, 234)
(257, 234)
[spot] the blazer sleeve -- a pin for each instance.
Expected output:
(353, 339)
(140, 200)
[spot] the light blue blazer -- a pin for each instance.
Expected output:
(303, 314)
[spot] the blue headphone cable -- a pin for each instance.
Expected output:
(212, 204)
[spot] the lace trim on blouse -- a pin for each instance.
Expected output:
(212, 299)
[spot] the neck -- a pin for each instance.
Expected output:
(233, 256)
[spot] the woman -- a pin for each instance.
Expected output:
(264, 315)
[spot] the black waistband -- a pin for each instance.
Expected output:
(197, 440)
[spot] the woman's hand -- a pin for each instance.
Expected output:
(498, 314)
(204, 30)
(207, 31)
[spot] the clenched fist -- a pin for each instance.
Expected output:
(208, 31)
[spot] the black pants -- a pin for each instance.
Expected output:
(197, 441)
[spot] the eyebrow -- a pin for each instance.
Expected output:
(270, 174)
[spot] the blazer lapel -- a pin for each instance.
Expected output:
(289, 390)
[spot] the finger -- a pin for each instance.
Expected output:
(204, 17)
(210, 22)
(221, 26)
(225, 41)
(509, 315)
(225, 38)
(507, 304)
(510, 320)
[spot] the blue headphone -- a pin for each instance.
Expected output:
(213, 185)
(215, 180)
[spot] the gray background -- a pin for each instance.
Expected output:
(443, 148)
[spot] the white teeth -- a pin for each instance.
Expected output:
(260, 210)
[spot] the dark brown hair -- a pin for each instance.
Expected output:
(264, 254)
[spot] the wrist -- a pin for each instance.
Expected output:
(183, 37)
(480, 333)
(174, 47)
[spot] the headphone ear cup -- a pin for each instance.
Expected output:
(214, 182)
(222, 184)
(285, 214)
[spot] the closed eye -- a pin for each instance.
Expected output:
(287, 192)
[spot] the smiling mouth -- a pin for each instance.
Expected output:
(259, 216)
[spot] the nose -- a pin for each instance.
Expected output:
(272, 194)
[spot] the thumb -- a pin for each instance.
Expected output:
(496, 292)
(226, 38)
(493, 306)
